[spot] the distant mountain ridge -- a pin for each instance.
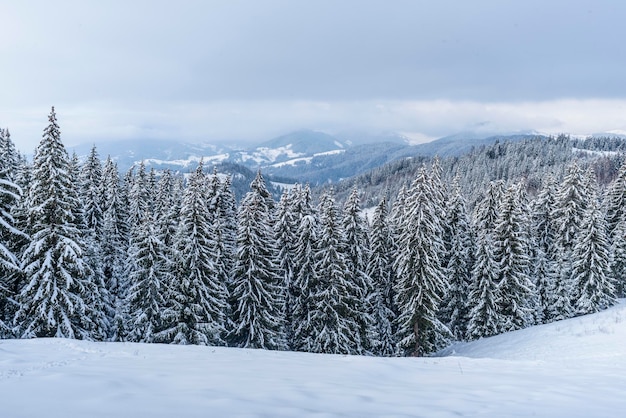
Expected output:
(303, 156)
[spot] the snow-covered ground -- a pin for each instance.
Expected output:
(570, 368)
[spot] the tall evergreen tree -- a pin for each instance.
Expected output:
(332, 324)
(196, 302)
(146, 272)
(166, 209)
(512, 249)
(571, 203)
(91, 193)
(618, 258)
(258, 293)
(593, 287)
(421, 277)
(114, 245)
(545, 253)
(357, 256)
(483, 291)
(285, 236)
(458, 240)
(615, 201)
(10, 235)
(380, 270)
(304, 286)
(53, 303)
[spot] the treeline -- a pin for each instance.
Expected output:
(532, 159)
(145, 257)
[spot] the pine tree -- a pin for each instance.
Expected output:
(357, 255)
(615, 201)
(304, 285)
(512, 249)
(139, 195)
(380, 270)
(147, 266)
(483, 292)
(54, 300)
(486, 211)
(285, 233)
(571, 203)
(10, 235)
(145, 269)
(114, 244)
(593, 287)
(258, 293)
(332, 325)
(166, 209)
(618, 258)
(196, 302)
(545, 254)
(91, 193)
(458, 240)
(421, 278)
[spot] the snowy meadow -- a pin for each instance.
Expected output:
(573, 368)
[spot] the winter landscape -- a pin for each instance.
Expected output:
(283, 208)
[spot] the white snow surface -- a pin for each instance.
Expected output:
(572, 368)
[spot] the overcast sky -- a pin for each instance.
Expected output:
(248, 70)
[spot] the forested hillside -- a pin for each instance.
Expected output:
(506, 237)
(530, 159)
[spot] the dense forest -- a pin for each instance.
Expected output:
(505, 237)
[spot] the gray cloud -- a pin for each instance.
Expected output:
(209, 69)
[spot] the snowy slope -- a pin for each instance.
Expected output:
(571, 368)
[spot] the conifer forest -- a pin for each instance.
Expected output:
(452, 251)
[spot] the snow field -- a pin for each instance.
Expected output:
(573, 368)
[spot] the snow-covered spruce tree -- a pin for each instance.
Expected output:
(486, 211)
(305, 285)
(357, 256)
(512, 253)
(258, 292)
(139, 195)
(615, 201)
(166, 208)
(196, 298)
(10, 235)
(225, 228)
(227, 231)
(285, 236)
(421, 280)
(17, 243)
(89, 177)
(380, 270)
(571, 203)
(593, 287)
(9, 157)
(91, 193)
(459, 250)
(512, 250)
(54, 300)
(114, 245)
(545, 265)
(147, 270)
(147, 266)
(483, 291)
(618, 258)
(332, 324)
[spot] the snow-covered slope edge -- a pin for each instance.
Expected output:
(598, 336)
(573, 368)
